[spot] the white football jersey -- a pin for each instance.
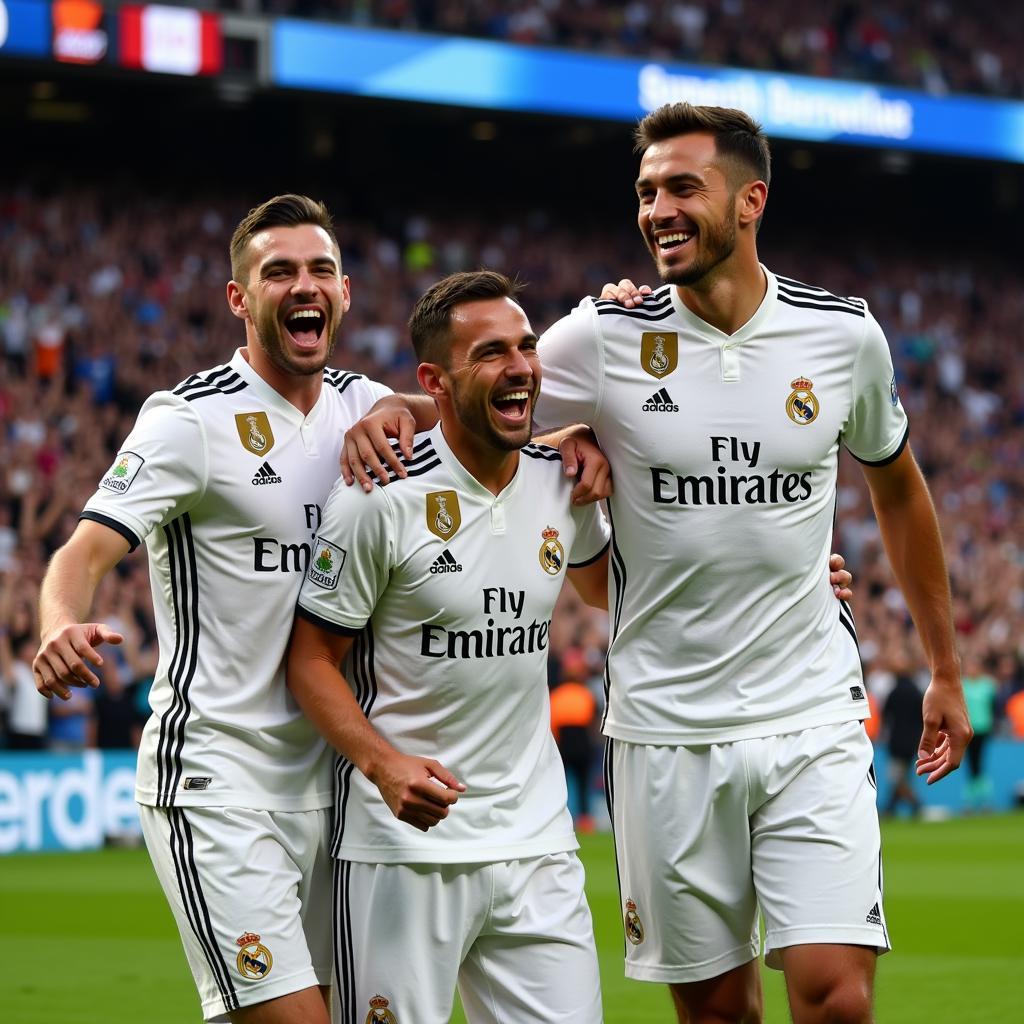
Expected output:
(725, 452)
(225, 481)
(449, 590)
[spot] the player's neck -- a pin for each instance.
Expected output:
(489, 466)
(728, 296)
(301, 390)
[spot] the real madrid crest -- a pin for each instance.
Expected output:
(551, 554)
(634, 927)
(659, 352)
(254, 959)
(443, 514)
(379, 1012)
(802, 404)
(254, 432)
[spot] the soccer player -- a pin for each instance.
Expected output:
(738, 771)
(224, 478)
(436, 595)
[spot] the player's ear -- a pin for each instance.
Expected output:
(750, 202)
(432, 379)
(236, 300)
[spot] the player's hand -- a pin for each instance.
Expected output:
(367, 448)
(418, 790)
(625, 293)
(583, 459)
(840, 577)
(947, 729)
(65, 656)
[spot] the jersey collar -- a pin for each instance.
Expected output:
(748, 330)
(269, 396)
(464, 479)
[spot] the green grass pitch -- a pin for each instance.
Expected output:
(86, 938)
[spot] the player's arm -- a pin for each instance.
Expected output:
(913, 543)
(591, 581)
(418, 790)
(367, 441)
(582, 460)
(68, 644)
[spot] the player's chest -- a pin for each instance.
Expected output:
(471, 561)
(690, 401)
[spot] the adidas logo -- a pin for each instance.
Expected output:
(660, 401)
(265, 475)
(874, 915)
(445, 562)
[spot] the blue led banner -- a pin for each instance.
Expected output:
(499, 76)
(24, 28)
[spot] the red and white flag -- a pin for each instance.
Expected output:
(171, 40)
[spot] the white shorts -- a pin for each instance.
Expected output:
(705, 835)
(250, 891)
(515, 937)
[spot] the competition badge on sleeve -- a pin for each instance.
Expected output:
(254, 432)
(551, 554)
(326, 564)
(634, 927)
(121, 474)
(254, 959)
(659, 352)
(443, 514)
(802, 404)
(379, 1012)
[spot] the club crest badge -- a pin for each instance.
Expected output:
(254, 959)
(254, 432)
(551, 554)
(443, 514)
(659, 352)
(121, 474)
(326, 564)
(379, 1012)
(802, 405)
(634, 927)
(894, 395)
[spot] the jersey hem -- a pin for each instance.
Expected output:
(885, 460)
(327, 624)
(751, 731)
(593, 558)
(183, 798)
(456, 854)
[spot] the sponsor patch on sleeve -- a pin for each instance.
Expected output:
(326, 564)
(121, 474)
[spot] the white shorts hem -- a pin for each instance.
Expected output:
(213, 1009)
(823, 934)
(681, 975)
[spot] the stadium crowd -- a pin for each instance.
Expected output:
(105, 298)
(937, 46)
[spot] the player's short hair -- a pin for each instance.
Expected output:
(739, 139)
(431, 318)
(287, 211)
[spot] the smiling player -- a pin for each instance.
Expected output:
(224, 477)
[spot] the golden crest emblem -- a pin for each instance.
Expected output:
(254, 432)
(551, 554)
(443, 514)
(254, 959)
(659, 352)
(379, 1012)
(634, 926)
(802, 405)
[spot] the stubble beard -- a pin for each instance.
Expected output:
(478, 421)
(718, 242)
(270, 335)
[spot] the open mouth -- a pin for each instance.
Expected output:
(305, 326)
(673, 242)
(512, 407)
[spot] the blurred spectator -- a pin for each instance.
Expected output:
(903, 724)
(574, 724)
(980, 693)
(26, 710)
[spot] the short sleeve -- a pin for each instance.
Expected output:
(876, 430)
(353, 555)
(592, 535)
(159, 473)
(573, 370)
